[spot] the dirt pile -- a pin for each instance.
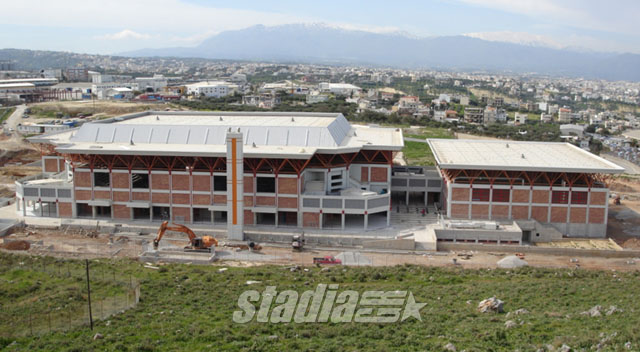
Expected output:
(16, 245)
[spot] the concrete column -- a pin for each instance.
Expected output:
(235, 188)
(406, 201)
(343, 216)
(366, 221)
(388, 218)
(94, 212)
(41, 208)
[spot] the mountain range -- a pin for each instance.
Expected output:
(331, 45)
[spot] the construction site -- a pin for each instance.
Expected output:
(244, 188)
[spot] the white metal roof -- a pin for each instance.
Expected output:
(293, 135)
(516, 156)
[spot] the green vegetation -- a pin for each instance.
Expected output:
(418, 154)
(532, 131)
(5, 113)
(190, 308)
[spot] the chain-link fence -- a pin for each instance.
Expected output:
(42, 295)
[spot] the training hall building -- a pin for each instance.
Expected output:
(556, 184)
(304, 170)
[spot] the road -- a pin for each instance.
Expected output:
(630, 167)
(14, 120)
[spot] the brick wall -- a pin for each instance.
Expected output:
(179, 198)
(266, 201)
(182, 212)
(140, 195)
(284, 202)
(519, 212)
(480, 211)
(248, 217)
(558, 214)
(201, 199)
(288, 185)
(65, 210)
(459, 211)
(364, 174)
(460, 194)
(51, 165)
(121, 211)
(596, 216)
(83, 195)
(598, 198)
(379, 174)
(159, 181)
(82, 179)
(101, 195)
(248, 201)
(180, 182)
(578, 215)
(311, 220)
(500, 212)
(540, 213)
(248, 184)
(120, 196)
(160, 198)
(540, 196)
(520, 196)
(120, 180)
(202, 183)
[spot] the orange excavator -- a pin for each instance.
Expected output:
(199, 244)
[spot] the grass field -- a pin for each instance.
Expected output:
(186, 307)
(417, 153)
(5, 113)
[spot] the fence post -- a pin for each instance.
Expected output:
(89, 294)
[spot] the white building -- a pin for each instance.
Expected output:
(100, 90)
(155, 83)
(345, 89)
(214, 89)
(520, 118)
(564, 115)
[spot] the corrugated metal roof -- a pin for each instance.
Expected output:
(265, 130)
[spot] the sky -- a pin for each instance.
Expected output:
(113, 26)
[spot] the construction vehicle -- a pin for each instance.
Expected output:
(197, 244)
(298, 242)
(326, 260)
(616, 200)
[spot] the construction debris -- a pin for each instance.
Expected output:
(16, 245)
(510, 324)
(511, 262)
(593, 312)
(491, 305)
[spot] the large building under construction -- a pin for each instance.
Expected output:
(556, 184)
(276, 169)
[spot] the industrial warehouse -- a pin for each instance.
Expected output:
(313, 172)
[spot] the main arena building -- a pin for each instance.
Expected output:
(297, 169)
(305, 170)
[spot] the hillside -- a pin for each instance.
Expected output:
(185, 307)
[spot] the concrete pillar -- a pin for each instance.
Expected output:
(366, 221)
(94, 212)
(235, 188)
(342, 219)
(389, 218)
(41, 208)
(406, 200)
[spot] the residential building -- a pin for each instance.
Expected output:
(474, 115)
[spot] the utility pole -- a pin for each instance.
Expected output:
(89, 294)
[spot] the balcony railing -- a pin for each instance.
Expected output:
(350, 204)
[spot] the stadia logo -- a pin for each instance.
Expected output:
(326, 304)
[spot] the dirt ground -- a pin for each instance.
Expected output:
(73, 243)
(624, 220)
